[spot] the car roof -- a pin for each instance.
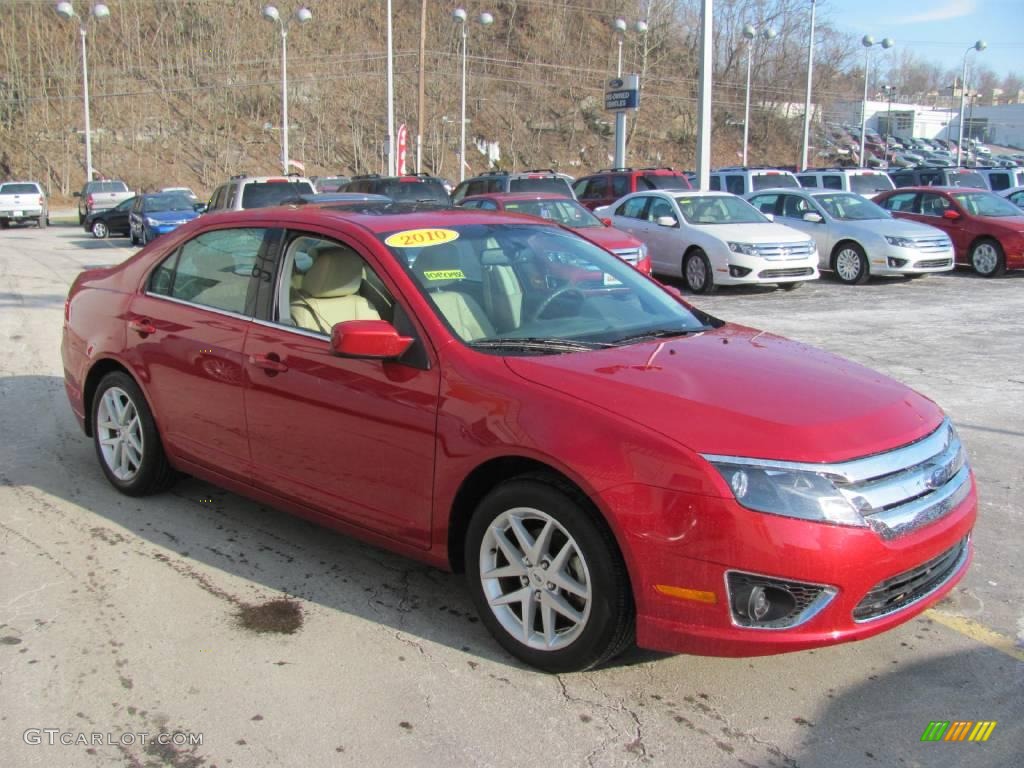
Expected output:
(518, 196)
(926, 188)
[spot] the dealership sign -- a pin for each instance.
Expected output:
(622, 93)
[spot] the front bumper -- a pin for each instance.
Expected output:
(742, 269)
(896, 260)
(685, 544)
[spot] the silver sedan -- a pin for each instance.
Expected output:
(856, 238)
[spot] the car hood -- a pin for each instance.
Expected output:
(892, 227)
(169, 216)
(752, 233)
(739, 392)
(608, 238)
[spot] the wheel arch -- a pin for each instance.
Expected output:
(92, 381)
(844, 241)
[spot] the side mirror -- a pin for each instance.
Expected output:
(376, 339)
(814, 218)
(769, 216)
(666, 221)
(606, 221)
(200, 207)
(951, 215)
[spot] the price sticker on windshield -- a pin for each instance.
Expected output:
(421, 238)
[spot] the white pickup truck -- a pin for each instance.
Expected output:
(22, 201)
(101, 196)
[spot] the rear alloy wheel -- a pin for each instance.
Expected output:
(547, 579)
(987, 258)
(100, 230)
(851, 264)
(127, 442)
(697, 272)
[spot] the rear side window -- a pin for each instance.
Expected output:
(967, 179)
(999, 181)
(620, 186)
(663, 181)
(832, 181)
(774, 180)
(421, 190)
(735, 185)
(555, 185)
(808, 181)
(259, 194)
(19, 189)
(868, 184)
(715, 184)
(107, 186)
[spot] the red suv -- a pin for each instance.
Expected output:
(568, 213)
(608, 185)
(987, 230)
(491, 393)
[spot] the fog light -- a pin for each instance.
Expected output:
(897, 262)
(758, 604)
(738, 271)
(761, 602)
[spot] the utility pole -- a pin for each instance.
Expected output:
(423, 87)
(704, 97)
(807, 101)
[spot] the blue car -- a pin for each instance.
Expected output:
(157, 214)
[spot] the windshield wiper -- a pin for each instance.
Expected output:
(539, 344)
(661, 333)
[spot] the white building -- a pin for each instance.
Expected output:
(1002, 125)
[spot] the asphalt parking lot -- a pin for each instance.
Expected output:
(123, 617)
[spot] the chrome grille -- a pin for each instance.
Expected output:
(768, 274)
(930, 263)
(784, 251)
(628, 255)
(931, 244)
(907, 588)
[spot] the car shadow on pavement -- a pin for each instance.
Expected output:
(108, 242)
(8, 299)
(195, 527)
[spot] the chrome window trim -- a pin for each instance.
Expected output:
(816, 606)
(174, 300)
(857, 470)
(291, 329)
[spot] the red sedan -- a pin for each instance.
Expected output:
(605, 465)
(987, 231)
(568, 213)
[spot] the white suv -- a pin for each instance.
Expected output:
(714, 238)
(743, 181)
(242, 191)
(861, 181)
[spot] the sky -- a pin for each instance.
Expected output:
(940, 30)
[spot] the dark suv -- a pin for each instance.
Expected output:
(540, 180)
(938, 177)
(608, 185)
(414, 188)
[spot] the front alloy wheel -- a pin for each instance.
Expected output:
(851, 264)
(546, 576)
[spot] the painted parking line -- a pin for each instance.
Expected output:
(978, 632)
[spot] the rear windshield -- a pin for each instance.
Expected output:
(666, 181)
(419, 191)
(556, 185)
(107, 186)
(19, 189)
(967, 179)
(866, 184)
(773, 181)
(264, 194)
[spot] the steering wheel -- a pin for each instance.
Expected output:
(556, 294)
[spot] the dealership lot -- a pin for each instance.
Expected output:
(124, 616)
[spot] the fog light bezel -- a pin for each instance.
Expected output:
(735, 270)
(795, 617)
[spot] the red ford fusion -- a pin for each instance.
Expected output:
(606, 463)
(567, 212)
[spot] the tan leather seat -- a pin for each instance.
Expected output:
(466, 317)
(503, 295)
(329, 292)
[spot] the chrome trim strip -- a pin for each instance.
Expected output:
(813, 609)
(924, 479)
(292, 329)
(957, 568)
(898, 521)
(858, 470)
(228, 313)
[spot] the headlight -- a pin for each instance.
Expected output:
(748, 249)
(899, 242)
(788, 492)
(151, 222)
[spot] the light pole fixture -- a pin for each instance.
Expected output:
(620, 27)
(807, 100)
(751, 33)
(99, 11)
(890, 93)
(461, 17)
(273, 15)
(979, 46)
(868, 41)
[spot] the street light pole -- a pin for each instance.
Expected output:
(620, 26)
(461, 17)
(890, 91)
(704, 96)
(751, 33)
(867, 41)
(807, 101)
(979, 46)
(99, 12)
(273, 15)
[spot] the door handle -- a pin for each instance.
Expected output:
(268, 363)
(141, 326)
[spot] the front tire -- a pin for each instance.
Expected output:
(546, 576)
(850, 264)
(697, 273)
(100, 230)
(987, 258)
(126, 439)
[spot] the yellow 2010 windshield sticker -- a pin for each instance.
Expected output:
(421, 238)
(445, 274)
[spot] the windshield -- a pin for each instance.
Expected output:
(264, 194)
(555, 184)
(172, 202)
(420, 190)
(967, 179)
(773, 181)
(985, 204)
(723, 209)
(535, 289)
(566, 212)
(19, 189)
(106, 186)
(849, 207)
(869, 183)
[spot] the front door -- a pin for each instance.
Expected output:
(353, 438)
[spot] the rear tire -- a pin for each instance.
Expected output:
(850, 264)
(987, 258)
(562, 601)
(697, 273)
(126, 439)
